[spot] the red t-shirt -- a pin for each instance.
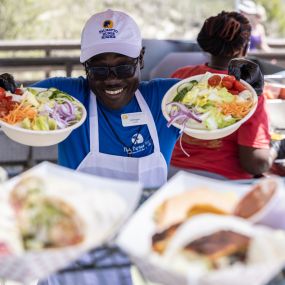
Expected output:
(221, 155)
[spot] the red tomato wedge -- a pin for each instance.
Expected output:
(214, 80)
(233, 91)
(19, 91)
(227, 84)
(239, 86)
(2, 91)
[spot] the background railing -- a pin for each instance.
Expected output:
(34, 60)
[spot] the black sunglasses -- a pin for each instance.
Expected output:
(120, 71)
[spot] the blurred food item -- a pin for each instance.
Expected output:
(277, 136)
(274, 90)
(256, 199)
(44, 221)
(160, 240)
(4, 249)
(221, 248)
(197, 201)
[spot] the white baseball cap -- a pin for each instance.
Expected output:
(110, 31)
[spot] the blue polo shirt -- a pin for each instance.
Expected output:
(73, 149)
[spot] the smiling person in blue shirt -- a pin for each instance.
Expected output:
(125, 135)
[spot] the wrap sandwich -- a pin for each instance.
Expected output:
(45, 221)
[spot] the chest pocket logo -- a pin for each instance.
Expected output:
(137, 139)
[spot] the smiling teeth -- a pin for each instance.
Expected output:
(114, 92)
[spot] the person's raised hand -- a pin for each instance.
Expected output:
(248, 71)
(7, 82)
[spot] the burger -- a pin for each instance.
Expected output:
(174, 211)
(220, 249)
(178, 208)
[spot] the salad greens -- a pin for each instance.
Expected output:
(209, 106)
(54, 109)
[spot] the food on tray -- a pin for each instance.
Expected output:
(256, 198)
(44, 221)
(180, 207)
(39, 110)
(214, 102)
(160, 240)
(274, 90)
(219, 249)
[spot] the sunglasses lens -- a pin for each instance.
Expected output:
(99, 73)
(120, 71)
(125, 71)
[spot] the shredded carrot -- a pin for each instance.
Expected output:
(19, 113)
(236, 109)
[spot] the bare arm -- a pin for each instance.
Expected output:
(264, 45)
(254, 160)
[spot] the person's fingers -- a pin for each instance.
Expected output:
(248, 71)
(234, 68)
(7, 82)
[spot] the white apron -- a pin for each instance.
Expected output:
(150, 170)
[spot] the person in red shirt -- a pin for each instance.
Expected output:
(245, 153)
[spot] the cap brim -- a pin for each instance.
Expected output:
(247, 10)
(122, 48)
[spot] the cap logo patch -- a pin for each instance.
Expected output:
(108, 32)
(108, 24)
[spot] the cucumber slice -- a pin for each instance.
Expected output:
(183, 89)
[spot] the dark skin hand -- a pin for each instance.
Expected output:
(114, 93)
(253, 160)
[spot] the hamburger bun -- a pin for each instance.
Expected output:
(176, 209)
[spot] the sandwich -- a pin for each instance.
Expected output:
(184, 205)
(45, 221)
(174, 211)
(220, 249)
(256, 199)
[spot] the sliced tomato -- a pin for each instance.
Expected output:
(233, 91)
(19, 91)
(227, 84)
(214, 80)
(230, 78)
(228, 81)
(239, 86)
(2, 91)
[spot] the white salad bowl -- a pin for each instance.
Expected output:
(205, 134)
(39, 137)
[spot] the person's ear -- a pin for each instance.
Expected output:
(141, 58)
(85, 67)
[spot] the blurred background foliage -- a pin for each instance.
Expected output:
(159, 19)
(275, 23)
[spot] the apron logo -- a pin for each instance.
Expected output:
(137, 139)
(124, 117)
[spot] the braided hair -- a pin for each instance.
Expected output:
(225, 34)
